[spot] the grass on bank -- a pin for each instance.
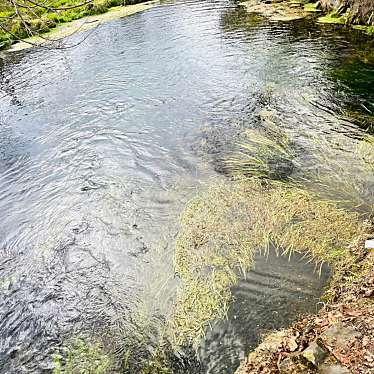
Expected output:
(369, 30)
(41, 21)
(333, 18)
(344, 19)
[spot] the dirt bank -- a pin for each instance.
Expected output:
(340, 339)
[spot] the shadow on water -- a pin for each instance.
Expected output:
(261, 304)
(96, 163)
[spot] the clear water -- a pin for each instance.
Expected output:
(98, 155)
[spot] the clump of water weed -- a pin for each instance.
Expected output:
(262, 156)
(82, 358)
(344, 175)
(363, 120)
(222, 229)
(262, 153)
(219, 141)
(348, 180)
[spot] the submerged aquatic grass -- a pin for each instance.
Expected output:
(223, 228)
(348, 181)
(82, 358)
(364, 120)
(262, 156)
(265, 154)
(337, 173)
(265, 204)
(365, 151)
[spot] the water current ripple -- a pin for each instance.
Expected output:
(98, 155)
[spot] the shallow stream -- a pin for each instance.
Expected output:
(101, 146)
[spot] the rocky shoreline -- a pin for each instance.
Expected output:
(356, 13)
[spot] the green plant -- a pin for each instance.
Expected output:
(261, 156)
(221, 230)
(34, 20)
(81, 358)
(347, 178)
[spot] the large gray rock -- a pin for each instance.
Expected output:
(339, 335)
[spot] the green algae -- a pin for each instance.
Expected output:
(332, 18)
(81, 358)
(311, 7)
(369, 30)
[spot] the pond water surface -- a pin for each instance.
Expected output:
(100, 149)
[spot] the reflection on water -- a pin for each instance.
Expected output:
(96, 162)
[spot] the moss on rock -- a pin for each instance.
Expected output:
(332, 18)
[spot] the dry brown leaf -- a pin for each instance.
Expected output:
(352, 312)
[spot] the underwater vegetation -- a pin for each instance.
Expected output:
(82, 358)
(222, 228)
(269, 201)
(344, 176)
(339, 181)
(262, 155)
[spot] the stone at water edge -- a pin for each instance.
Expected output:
(339, 336)
(315, 353)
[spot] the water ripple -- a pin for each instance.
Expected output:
(96, 162)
